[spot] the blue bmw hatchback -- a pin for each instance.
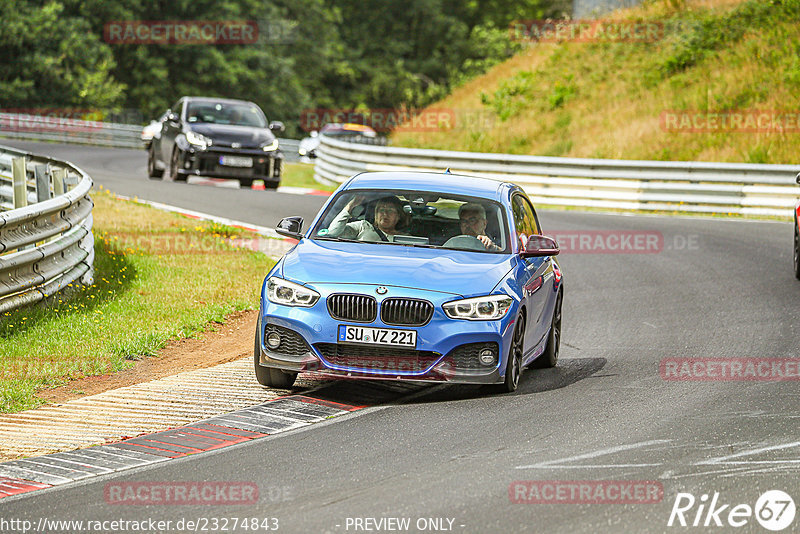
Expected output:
(413, 276)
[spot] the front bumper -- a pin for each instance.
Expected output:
(267, 166)
(446, 348)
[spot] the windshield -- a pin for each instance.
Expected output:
(232, 113)
(415, 218)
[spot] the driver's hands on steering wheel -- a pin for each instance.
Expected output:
(488, 243)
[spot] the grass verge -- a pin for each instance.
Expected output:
(158, 276)
(302, 175)
(734, 58)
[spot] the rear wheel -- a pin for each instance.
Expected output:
(550, 356)
(267, 376)
(796, 252)
(514, 365)
(152, 171)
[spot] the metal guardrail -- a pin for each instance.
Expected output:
(699, 187)
(41, 128)
(46, 237)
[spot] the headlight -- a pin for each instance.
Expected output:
(200, 141)
(270, 147)
(302, 151)
(282, 291)
(488, 308)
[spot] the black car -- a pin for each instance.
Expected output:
(217, 138)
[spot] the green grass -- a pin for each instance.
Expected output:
(607, 99)
(162, 279)
(302, 175)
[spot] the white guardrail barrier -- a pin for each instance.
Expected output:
(737, 188)
(46, 237)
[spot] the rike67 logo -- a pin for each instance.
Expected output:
(774, 510)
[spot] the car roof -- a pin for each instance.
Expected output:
(215, 99)
(431, 181)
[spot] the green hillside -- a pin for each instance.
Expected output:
(720, 83)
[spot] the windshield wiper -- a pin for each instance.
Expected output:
(331, 238)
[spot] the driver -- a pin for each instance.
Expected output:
(472, 218)
(388, 216)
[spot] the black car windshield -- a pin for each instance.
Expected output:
(415, 218)
(232, 113)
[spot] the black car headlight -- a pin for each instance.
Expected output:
(488, 308)
(280, 291)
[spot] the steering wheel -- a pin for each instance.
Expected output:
(468, 242)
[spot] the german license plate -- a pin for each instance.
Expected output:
(235, 161)
(377, 336)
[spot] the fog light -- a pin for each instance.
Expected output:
(486, 356)
(187, 164)
(274, 340)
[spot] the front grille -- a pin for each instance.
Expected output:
(407, 312)
(358, 308)
(377, 358)
(465, 357)
(292, 343)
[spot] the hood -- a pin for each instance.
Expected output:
(447, 271)
(225, 134)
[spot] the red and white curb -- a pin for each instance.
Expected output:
(254, 422)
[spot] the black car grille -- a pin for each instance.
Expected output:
(377, 358)
(357, 308)
(292, 343)
(407, 312)
(465, 357)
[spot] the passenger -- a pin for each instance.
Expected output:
(389, 219)
(472, 218)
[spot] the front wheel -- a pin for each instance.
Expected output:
(549, 357)
(267, 376)
(175, 165)
(796, 251)
(514, 365)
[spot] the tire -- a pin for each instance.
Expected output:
(549, 357)
(174, 175)
(796, 252)
(514, 365)
(152, 172)
(267, 376)
(245, 183)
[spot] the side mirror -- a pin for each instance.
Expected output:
(539, 245)
(277, 126)
(290, 227)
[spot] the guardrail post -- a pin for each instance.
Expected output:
(58, 181)
(42, 174)
(19, 180)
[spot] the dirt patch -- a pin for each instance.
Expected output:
(229, 341)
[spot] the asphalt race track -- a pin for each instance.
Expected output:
(711, 288)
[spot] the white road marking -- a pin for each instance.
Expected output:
(725, 459)
(550, 464)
